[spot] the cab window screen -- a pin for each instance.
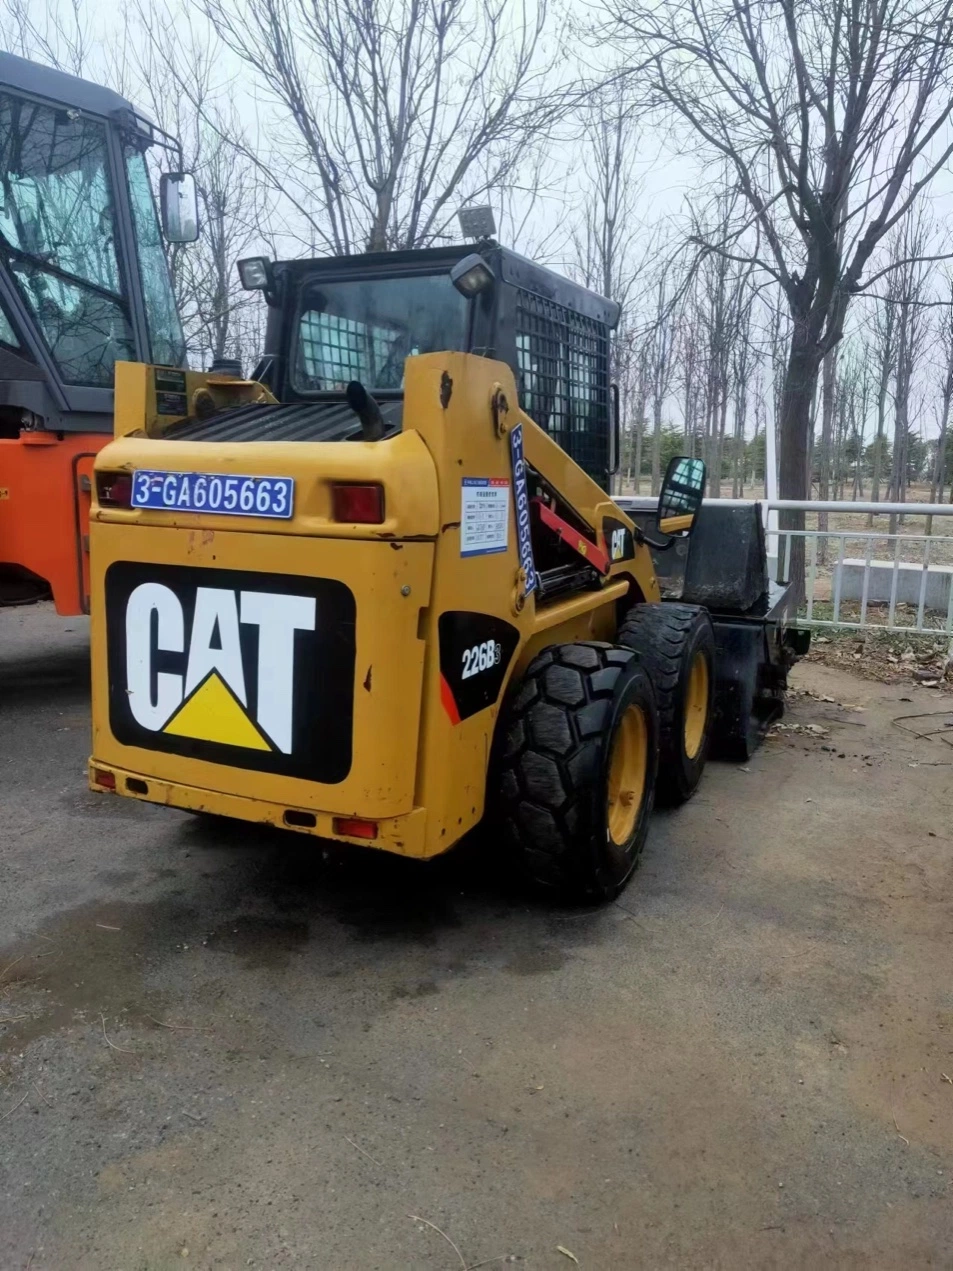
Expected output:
(563, 359)
(365, 329)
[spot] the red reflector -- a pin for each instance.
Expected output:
(354, 828)
(114, 488)
(360, 504)
(105, 779)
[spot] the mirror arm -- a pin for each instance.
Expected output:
(662, 546)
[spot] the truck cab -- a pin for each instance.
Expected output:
(84, 283)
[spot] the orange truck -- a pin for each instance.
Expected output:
(84, 283)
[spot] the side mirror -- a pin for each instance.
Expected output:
(680, 496)
(179, 205)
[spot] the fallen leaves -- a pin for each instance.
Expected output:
(807, 730)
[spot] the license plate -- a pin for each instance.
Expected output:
(214, 492)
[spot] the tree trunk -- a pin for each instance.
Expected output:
(897, 487)
(829, 375)
(639, 431)
(797, 397)
(656, 444)
(706, 438)
(939, 471)
(719, 424)
(939, 467)
(878, 445)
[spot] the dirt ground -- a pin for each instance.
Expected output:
(219, 1049)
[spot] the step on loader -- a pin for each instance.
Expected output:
(390, 605)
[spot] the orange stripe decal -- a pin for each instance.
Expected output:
(449, 701)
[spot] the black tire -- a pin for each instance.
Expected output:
(567, 719)
(668, 638)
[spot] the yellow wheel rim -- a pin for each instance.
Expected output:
(696, 705)
(627, 767)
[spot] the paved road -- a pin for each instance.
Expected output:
(224, 1051)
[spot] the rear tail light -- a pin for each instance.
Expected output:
(105, 779)
(353, 827)
(358, 504)
(114, 489)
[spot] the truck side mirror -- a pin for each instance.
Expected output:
(680, 496)
(179, 206)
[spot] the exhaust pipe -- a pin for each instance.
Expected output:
(366, 409)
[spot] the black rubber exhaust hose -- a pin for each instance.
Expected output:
(366, 409)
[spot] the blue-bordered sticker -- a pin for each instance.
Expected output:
(484, 516)
(521, 506)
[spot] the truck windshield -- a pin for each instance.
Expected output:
(57, 224)
(363, 329)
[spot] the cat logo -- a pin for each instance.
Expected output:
(620, 544)
(251, 670)
(209, 703)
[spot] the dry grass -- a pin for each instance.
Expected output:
(892, 657)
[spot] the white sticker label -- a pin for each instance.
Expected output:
(484, 515)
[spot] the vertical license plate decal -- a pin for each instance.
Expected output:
(521, 506)
(484, 516)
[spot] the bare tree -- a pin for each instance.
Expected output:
(722, 307)
(912, 331)
(57, 33)
(386, 114)
(606, 240)
(689, 361)
(828, 382)
(834, 116)
(632, 353)
(884, 351)
(661, 360)
(779, 341)
(858, 395)
(178, 86)
(743, 360)
(945, 340)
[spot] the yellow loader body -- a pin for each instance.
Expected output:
(335, 677)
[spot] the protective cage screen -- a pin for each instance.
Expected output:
(333, 351)
(563, 361)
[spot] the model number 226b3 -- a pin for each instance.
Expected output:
(480, 658)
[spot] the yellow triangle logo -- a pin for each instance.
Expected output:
(213, 713)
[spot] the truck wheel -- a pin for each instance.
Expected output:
(676, 645)
(579, 756)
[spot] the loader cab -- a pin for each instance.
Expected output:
(347, 318)
(84, 281)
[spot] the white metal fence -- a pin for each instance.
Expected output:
(865, 578)
(858, 576)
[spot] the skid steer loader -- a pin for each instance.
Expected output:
(390, 604)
